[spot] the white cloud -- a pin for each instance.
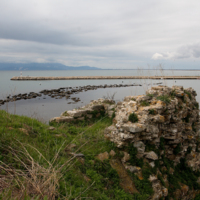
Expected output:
(183, 52)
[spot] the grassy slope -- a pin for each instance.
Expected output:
(41, 163)
(41, 149)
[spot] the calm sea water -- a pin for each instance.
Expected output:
(44, 109)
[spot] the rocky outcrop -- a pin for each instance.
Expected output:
(166, 117)
(93, 110)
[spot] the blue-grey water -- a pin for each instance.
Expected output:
(44, 109)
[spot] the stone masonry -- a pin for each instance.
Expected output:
(164, 113)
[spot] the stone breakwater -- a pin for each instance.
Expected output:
(163, 126)
(64, 92)
(31, 78)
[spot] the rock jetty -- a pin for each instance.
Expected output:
(64, 92)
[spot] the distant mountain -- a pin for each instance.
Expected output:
(41, 66)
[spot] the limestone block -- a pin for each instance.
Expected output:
(62, 119)
(151, 155)
(158, 119)
(152, 129)
(133, 127)
(103, 156)
(126, 157)
(140, 146)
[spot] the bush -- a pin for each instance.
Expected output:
(133, 117)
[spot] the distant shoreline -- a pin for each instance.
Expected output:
(98, 69)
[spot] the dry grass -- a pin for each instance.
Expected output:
(31, 179)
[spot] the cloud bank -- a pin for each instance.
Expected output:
(106, 34)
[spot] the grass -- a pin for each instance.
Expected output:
(62, 164)
(133, 117)
(144, 103)
(189, 94)
(164, 98)
(40, 158)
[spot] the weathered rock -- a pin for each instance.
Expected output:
(133, 128)
(103, 156)
(151, 155)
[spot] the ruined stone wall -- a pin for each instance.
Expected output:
(165, 117)
(93, 110)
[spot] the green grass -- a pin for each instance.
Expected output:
(188, 93)
(144, 103)
(45, 157)
(164, 98)
(152, 111)
(133, 117)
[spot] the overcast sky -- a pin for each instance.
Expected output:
(101, 33)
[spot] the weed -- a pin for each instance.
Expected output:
(152, 147)
(196, 105)
(134, 160)
(150, 95)
(164, 98)
(133, 117)
(189, 149)
(173, 93)
(110, 96)
(161, 180)
(162, 143)
(188, 93)
(152, 112)
(177, 149)
(144, 103)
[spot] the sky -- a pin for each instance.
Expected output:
(101, 33)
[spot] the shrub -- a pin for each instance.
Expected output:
(133, 117)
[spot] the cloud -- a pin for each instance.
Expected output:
(183, 52)
(98, 33)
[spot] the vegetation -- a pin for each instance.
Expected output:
(152, 112)
(133, 117)
(37, 162)
(164, 98)
(150, 95)
(188, 93)
(144, 103)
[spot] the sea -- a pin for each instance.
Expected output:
(45, 108)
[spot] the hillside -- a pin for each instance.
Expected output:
(41, 66)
